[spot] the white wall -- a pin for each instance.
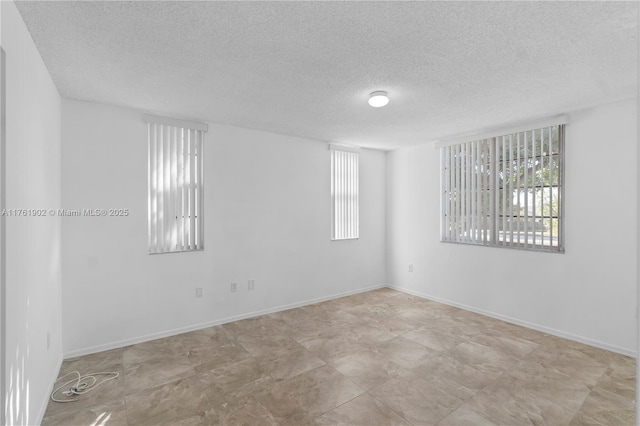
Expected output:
(267, 206)
(588, 293)
(33, 274)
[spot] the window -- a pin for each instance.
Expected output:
(176, 182)
(344, 193)
(506, 190)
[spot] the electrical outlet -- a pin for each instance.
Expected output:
(234, 287)
(252, 284)
(48, 340)
(198, 291)
(410, 268)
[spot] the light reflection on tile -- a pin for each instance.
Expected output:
(109, 414)
(433, 339)
(404, 352)
(156, 372)
(285, 365)
(313, 393)
(465, 416)
(417, 400)
(458, 378)
(482, 357)
(368, 369)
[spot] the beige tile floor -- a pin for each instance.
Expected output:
(376, 358)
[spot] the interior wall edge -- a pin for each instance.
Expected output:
(221, 321)
(637, 387)
(3, 237)
(52, 381)
(538, 327)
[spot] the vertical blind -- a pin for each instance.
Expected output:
(176, 183)
(505, 191)
(345, 210)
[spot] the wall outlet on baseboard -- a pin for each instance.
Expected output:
(252, 284)
(234, 287)
(410, 268)
(198, 291)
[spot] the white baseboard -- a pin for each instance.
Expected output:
(537, 327)
(173, 332)
(52, 382)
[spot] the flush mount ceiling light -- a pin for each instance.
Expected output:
(378, 99)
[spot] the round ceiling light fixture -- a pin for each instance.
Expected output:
(378, 99)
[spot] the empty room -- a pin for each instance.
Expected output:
(328, 213)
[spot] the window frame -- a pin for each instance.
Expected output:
(484, 169)
(175, 153)
(345, 192)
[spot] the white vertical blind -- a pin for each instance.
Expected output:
(465, 180)
(505, 190)
(345, 209)
(176, 185)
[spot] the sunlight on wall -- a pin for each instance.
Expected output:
(18, 394)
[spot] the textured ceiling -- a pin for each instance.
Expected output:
(306, 68)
